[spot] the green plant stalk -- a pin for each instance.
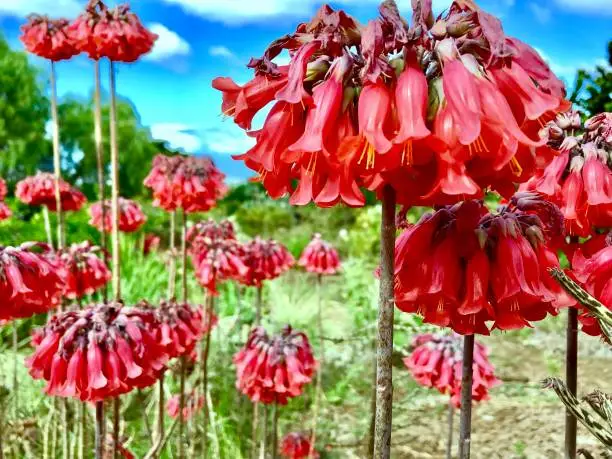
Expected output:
(449, 440)
(319, 375)
(181, 436)
(57, 167)
(255, 419)
(47, 223)
(465, 416)
(275, 416)
(209, 310)
(15, 371)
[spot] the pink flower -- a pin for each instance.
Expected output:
(320, 257)
(265, 260)
(131, 217)
(48, 38)
(39, 190)
(297, 445)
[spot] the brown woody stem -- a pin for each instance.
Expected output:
(465, 417)
(57, 165)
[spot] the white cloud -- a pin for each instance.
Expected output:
(228, 140)
(221, 51)
(541, 13)
(566, 70)
(168, 44)
(178, 136)
(587, 6)
(55, 8)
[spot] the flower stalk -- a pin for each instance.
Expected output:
(100, 159)
(465, 419)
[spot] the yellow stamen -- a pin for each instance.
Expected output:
(515, 166)
(407, 153)
(369, 154)
(440, 305)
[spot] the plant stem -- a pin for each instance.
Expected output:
(116, 426)
(65, 431)
(371, 433)
(384, 369)
(160, 408)
(449, 440)
(47, 221)
(181, 439)
(15, 373)
(57, 165)
(275, 416)
(83, 430)
(172, 276)
(465, 419)
(264, 436)
(209, 310)
(184, 256)
(258, 306)
(571, 380)
(100, 162)
(100, 430)
(255, 421)
(319, 375)
(1, 430)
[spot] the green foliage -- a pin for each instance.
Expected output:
(593, 90)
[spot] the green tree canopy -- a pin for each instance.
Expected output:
(24, 112)
(593, 90)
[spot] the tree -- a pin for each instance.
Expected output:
(24, 111)
(593, 90)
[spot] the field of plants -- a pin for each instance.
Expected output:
(420, 267)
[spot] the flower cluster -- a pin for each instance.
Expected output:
(595, 273)
(98, 352)
(39, 190)
(131, 217)
(82, 269)
(436, 361)
(48, 38)
(190, 183)
(5, 212)
(296, 445)
(212, 230)
(265, 259)
(29, 282)
(461, 265)
(116, 33)
(579, 178)
(320, 257)
(150, 244)
(193, 404)
(272, 370)
(439, 110)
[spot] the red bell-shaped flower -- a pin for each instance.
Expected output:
(131, 217)
(190, 183)
(29, 282)
(297, 445)
(3, 189)
(193, 403)
(212, 230)
(39, 190)
(273, 370)
(217, 260)
(265, 260)
(5, 211)
(436, 362)
(48, 38)
(99, 352)
(320, 257)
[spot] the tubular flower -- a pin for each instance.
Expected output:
(83, 270)
(212, 230)
(439, 109)
(462, 266)
(436, 362)
(273, 370)
(594, 274)
(3, 189)
(29, 282)
(99, 352)
(150, 244)
(131, 217)
(265, 260)
(39, 190)
(48, 38)
(320, 257)
(296, 445)
(579, 179)
(116, 33)
(5, 211)
(217, 260)
(193, 404)
(190, 183)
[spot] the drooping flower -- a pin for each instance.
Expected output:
(48, 38)
(273, 370)
(436, 361)
(131, 217)
(185, 182)
(3, 189)
(297, 445)
(320, 257)
(440, 110)
(579, 179)
(82, 269)
(265, 260)
(29, 282)
(39, 190)
(193, 403)
(101, 351)
(150, 244)
(5, 211)
(116, 33)
(216, 260)
(212, 230)
(463, 266)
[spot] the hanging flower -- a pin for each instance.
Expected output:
(265, 260)
(116, 33)
(39, 190)
(193, 404)
(462, 266)
(83, 270)
(150, 244)
(3, 189)
(579, 179)
(217, 260)
(273, 370)
(320, 257)
(48, 38)
(296, 445)
(212, 230)
(5, 211)
(440, 110)
(131, 217)
(436, 362)
(99, 352)
(29, 283)
(185, 182)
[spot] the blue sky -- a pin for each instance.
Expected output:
(202, 39)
